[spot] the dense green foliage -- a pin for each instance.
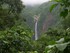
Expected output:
(16, 35)
(9, 12)
(15, 40)
(64, 6)
(58, 47)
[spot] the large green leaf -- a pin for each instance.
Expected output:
(53, 6)
(64, 13)
(60, 41)
(61, 47)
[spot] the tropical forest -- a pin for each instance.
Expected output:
(34, 26)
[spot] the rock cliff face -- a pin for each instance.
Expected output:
(47, 19)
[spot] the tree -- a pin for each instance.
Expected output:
(64, 11)
(64, 7)
(9, 12)
(14, 5)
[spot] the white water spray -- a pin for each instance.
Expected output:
(36, 17)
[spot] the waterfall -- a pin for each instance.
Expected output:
(36, 34)
(36, 17)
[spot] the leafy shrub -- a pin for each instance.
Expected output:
(15, 40)
(51, 36)
(58, 47)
